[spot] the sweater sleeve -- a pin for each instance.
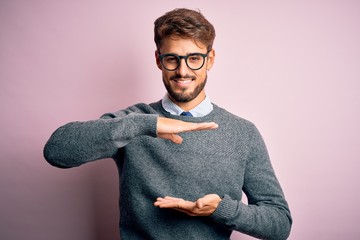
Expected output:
(267, 215)
(77, 143)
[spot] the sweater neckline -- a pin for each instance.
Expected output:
(187, 118)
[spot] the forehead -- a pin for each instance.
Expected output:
(181, 46)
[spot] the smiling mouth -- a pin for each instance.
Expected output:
(179, 78)
(182, 80)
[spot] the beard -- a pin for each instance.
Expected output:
(183, 96)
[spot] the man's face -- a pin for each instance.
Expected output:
(185, 85)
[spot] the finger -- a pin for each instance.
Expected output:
(173, 198)
(161, 200)
(171, 204)
(200, 126)
(184, 205)
(176, 139)
(166, 203)
(210, 125)
(199, 203)
(205, 201)
(172, 137)
(165, 200)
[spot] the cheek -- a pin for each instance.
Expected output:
(200, 74)
(166, 75)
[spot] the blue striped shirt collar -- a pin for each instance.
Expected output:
(201, 110)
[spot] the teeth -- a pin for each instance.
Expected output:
(183, 81)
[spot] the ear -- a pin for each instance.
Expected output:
(210, 59)
(158, 63)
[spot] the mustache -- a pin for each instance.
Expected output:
(177, 76)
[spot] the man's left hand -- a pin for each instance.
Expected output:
(204, 206)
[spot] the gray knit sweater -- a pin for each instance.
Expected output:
(225, 161)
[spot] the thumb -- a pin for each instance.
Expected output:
(175, 138)
(199, 203)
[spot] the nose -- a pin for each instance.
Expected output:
(183, 68)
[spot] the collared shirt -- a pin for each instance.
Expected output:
(201, 110)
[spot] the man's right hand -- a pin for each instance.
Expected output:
(168, 128)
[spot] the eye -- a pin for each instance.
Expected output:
(171, 59)
(195, 58)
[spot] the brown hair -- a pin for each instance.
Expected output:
(184, 23)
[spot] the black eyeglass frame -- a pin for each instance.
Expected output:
(179, 57)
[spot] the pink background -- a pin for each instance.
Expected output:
(291, 67)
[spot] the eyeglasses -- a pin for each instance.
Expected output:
(194, 61)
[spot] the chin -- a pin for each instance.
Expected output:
(181, 98)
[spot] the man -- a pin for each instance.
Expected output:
(177, 182)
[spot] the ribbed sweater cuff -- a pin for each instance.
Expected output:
(225, 210)
(146, 124)
(133, 125)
